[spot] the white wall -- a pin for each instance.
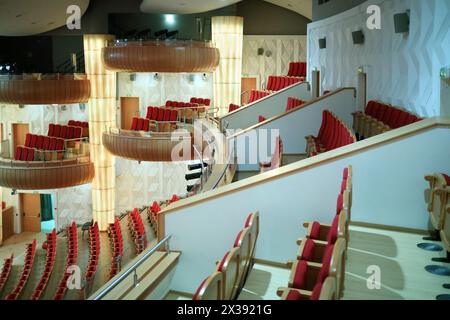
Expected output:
(402, 70)
(295, 126)
(284, 49)
(268, 107)
(386, 191)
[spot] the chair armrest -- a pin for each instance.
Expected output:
(283, 292)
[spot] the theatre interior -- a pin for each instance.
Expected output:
(225, 150)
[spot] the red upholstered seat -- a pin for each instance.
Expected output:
(317, 291)
(46, 143)
(315, 231)
(447, 179)
(261, 119)
(150, 110)
(333, 233)
(63, 133)
(300, 276)
(140, 124)
(77, 132)
(222, 262)
(70, 132)
(167, 113)
(18, 154)
(57, 131)
(51, 129)
(134, 124)
(233, 107)
(173, 115)
(155, 113)
(308, 251)
(28, 140)
(52, 145)
(59, 144)
(24, 154)
(324, 271)
(146, 125)
(293, 295)
(33, 141)
(160, 114)
(39, 142)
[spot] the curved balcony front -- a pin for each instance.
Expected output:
(44, 175)
(150, 146)
(44, 89)
(171, 56)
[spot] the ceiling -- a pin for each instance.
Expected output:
(29, 17)
(303, 7)
(184, 6)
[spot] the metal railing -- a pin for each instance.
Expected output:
(133, 268)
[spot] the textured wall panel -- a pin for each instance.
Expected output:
(401, 69)
(284, 49)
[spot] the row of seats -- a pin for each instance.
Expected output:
(44, 142)
(297, 69)
(50, 246)
(24, 154)
(319, 269)
(333, 134)
(294, 103)
(230, 274)
(137, 230)
(94, 252)
(201, 101)
(277, 83)
(29, 259)
(256, 95)
(438, 206)
(291, 104)
(72, 244)
(83, 124)
(233, 107)
(140, 124)
(380, 117)
(6, 270)
(163, 119)
(276, 160)
(64, 132)
(154, 210)
(116, 242)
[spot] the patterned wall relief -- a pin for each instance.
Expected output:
(402, 69)
(281, 51)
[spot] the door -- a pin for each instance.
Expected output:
(362, 90)
(247, 84)
(30, 204)
(19, 131)
(129, 108)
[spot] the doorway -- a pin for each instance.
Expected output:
(30, 205)
(247, 84)
(19, 134)
(47, 217)
(362, 91)
(129, 108)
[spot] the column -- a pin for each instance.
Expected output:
(102, 115)
(227, 36)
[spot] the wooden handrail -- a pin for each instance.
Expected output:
(321, 159)
(285, 114)
(262, 99)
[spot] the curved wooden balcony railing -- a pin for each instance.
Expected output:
(44, 89)
(44, 175)
(160, 56)
(150, 146)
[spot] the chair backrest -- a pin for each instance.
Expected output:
(440, 199)
(337, 265)
(146, 126)
(150, 110)
(243, 241)
(24, 154)
(229, 267)
(63, 133)
(252, 223)
(327, 290)
(70, 132)
(57, 131)
(51, 129)
(33, 141)
(46, 143)
(18, 154)
(210, 288)
(134, 124)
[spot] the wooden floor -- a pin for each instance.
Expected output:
(16, 244)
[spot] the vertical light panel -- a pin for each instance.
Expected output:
(227, 36)
(102, 115)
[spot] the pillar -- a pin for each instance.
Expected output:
(102, 115)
